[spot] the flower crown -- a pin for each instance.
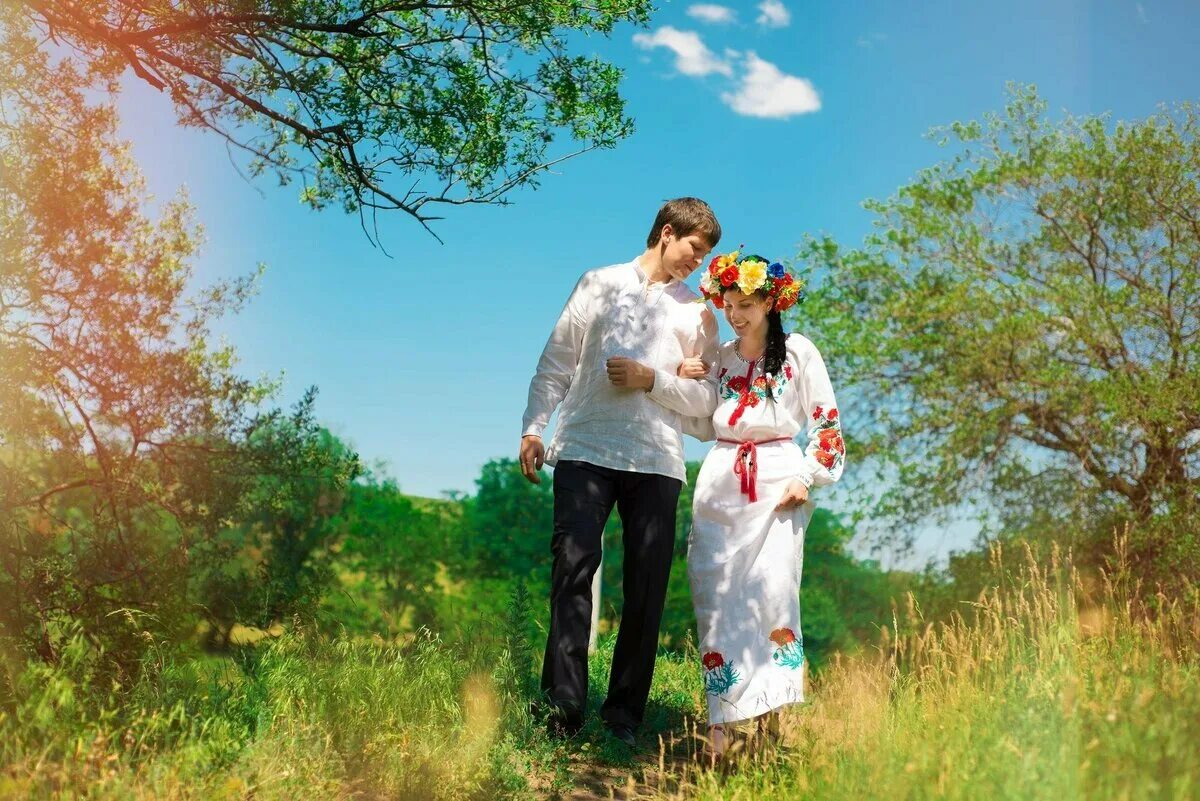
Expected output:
(750, 274)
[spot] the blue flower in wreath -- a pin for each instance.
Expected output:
(775, 270)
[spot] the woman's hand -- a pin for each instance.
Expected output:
(795, 495)
(692, 367)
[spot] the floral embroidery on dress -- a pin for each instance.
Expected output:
(790, 650)
(734, 386)
(719, 675)
(831, 449)
(750, 393)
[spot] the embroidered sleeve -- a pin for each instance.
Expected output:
(824, 452)
(559, 359)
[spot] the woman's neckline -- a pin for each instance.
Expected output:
(737, 351)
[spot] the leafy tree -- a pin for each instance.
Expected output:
(1022, 330)
(392, 105)
(397, 544)
(842, 599)
(276, 562)
(113, 410)
(127, 444)
(509, 523)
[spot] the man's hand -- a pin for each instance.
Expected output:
(533, 456)
(625, 372)
(692, 367)
(795, 495)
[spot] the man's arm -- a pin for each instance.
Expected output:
(560, 357)
(692, 397)
(552, 379)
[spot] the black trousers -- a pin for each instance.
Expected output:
(584, 495)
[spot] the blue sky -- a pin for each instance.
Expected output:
(784, 118)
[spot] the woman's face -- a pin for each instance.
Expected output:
(746, 313)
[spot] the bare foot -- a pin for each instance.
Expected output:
(718, 743)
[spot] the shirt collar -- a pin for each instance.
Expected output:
(641, 274)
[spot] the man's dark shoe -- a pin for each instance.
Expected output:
(561, 721)
(562, 728)
(623, 733)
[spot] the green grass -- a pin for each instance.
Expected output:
(1046, 689)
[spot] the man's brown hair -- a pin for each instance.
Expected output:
(686, 216)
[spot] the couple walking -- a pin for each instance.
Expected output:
(632, 364)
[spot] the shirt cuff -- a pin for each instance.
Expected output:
(533, 429)
(662, 380)
(805, 477)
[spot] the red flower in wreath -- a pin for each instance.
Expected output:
(825, 458)
(729, 276)
(712, 265)
(782, 637)
(712, 660)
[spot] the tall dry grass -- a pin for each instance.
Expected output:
(1051, 685)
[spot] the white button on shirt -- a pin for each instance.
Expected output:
(616, 311)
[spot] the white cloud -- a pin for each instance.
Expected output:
(766, 92)
(774, 14)
(692, 56)
(711, 12)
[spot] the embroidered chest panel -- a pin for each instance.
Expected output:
(734, 386)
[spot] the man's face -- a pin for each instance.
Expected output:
(683, 254)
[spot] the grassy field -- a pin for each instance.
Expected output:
(1048, 687)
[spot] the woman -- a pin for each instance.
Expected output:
(751, 500)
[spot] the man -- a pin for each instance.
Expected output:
(611, 362)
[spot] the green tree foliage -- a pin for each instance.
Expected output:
(113, 411)
(508, 523)
(392, 105)
(502, 539)
(396, 544)
(275, 563)
(1022, 330)
(842, 598)
(127, 444)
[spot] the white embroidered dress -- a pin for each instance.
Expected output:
(744, 558)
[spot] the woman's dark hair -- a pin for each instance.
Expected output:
(776, 344)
